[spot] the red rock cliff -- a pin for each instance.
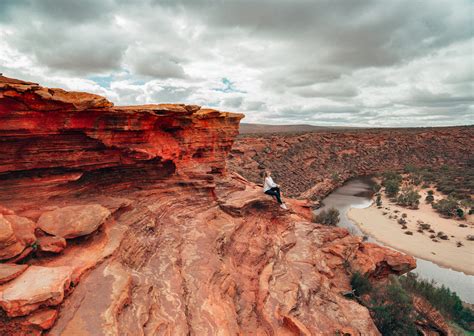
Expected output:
(124, 221)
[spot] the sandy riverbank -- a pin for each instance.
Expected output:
(378, 224)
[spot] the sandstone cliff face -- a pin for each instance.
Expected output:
(124, 221)
(313, 164)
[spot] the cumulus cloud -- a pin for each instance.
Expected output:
(360, 63)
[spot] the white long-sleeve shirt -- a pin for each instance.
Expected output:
(268, 184)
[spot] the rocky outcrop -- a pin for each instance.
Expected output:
(36, 287)
(51, 244)
(314, 163)
(161, 239)
(16, 234)
(430, 321)
(73, 221)
(10, 271)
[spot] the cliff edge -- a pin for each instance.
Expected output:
(125, 221)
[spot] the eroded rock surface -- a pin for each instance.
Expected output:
(37, 286)
(52, 244)
(16, 234)
(10, 271)
(185, 247)
(73, 221)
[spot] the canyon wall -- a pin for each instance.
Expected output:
(312, 164)
(125, 221)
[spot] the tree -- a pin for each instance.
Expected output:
(327, 217)
(393, 311)
(446, 206)
(416, 179)
(409, 198)
(441, 297)
(378, 201)
(409, 168)
(360, 284)
(376, 187)
(391, 175)
(430, 197)
(392, 187)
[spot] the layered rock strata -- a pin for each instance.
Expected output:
(128, 223)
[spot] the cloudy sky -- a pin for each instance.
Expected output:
(357, 63)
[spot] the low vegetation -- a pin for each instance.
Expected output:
(378, 200)
(391, 181)
(391, 304)
(360, 284)
(442, 298)
(393, 311)
(409, 197)
(430, 197)
(457, 182)
(327, 217)
(448, 207)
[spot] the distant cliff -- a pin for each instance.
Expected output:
(312, 164)
(125, 220)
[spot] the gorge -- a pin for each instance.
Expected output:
(127, 221)
(311, 164)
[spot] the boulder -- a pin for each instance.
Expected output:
(7, 236)
(37, 286)
(73, 221)
(52, 244)
(10, 271)
(16, 233)
(43, 319)
(24, 229)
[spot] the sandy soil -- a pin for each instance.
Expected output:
(378, 224)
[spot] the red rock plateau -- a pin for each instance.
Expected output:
(125, 221)
(311, 164)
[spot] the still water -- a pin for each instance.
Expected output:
(357, 193)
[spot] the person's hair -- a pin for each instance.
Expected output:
(265, 173)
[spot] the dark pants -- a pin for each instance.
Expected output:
(275, 192)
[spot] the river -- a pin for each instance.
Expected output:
(357, 193)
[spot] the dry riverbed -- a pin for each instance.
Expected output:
(454, 251)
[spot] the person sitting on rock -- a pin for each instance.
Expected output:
(272, 189)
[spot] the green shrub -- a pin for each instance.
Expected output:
(376, 187)
(392, 311)
(429, 199)
(378, 200)
(460, 212)
(392, 187)
(410, 169)
(446, 206)
(409, 198)
(442, 298)
(360, 284)
(391, 176)
(327, 217)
